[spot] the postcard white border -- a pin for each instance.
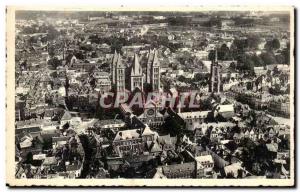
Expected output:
(10, 107)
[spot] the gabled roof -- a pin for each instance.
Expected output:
(50, 161)
(158, 174)
(66, 116)
(233, 168)
(226, 108)
(150, 104)
(127, 134)
(238, 135)
(273, 147)
(156, 147)
(193, 114)
(176, 168)
(204, 158)
(142, 116)
(147, 131)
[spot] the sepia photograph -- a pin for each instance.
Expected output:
(155, 97)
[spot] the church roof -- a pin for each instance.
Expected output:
(156, 147)
(153, 58)
(115, 58)
(143, 115)
(136, 69)
(66, 116)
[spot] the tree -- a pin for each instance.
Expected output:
(211, 55)
(253, 41)
(178, 21)
(174, 127)
(286, 54)
(29, 158)
(54, 62)
(181, 78)
(280, 58)
(274, 44)
(224, 53)
(213, 22)
(258, 62)
(232, 65)
(201, 77)
(203, 44)
(94, 54)
(232, 146)
(116, 44)
(184, 58)
(204, 141)
(245, 63)
(51, 51)
(268, 58)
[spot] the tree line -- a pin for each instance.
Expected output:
(243, 50)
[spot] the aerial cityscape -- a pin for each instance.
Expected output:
(153, 95)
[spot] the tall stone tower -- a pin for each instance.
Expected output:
(149, 63)
(113, 68)
(215, 79)
(155, 73)
(136, 75)
(120, 74)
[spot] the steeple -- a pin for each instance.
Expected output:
(119, 62)
(136, 76)
(215, 78)
(155, 59)
(113, 67)
(149, 65)
(120, 74)
(155, 72)
(136, 69)
(115, 57)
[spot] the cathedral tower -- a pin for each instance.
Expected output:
(120, 74)
(215, 79)
(155, 73)
(136, 75)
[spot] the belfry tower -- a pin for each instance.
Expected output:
(215, 79)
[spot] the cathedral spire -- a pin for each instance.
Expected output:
(155, 58)
(136, 76)
(113, 67)
(119, 61)
(136, 68)
(115, 57)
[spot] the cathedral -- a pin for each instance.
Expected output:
(136, 78)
